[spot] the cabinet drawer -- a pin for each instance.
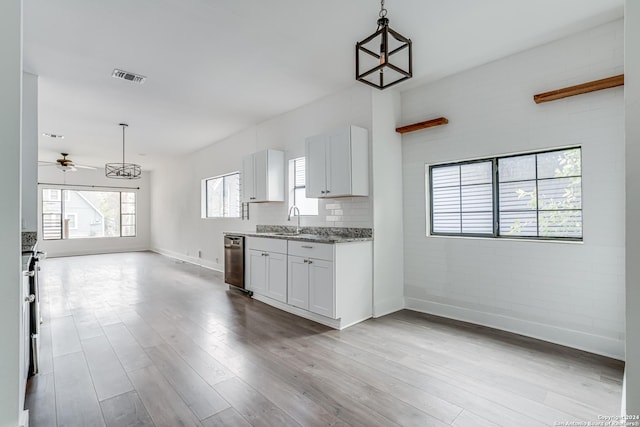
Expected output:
(267, 245)
(311, 250)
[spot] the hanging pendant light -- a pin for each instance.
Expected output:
(122, 170)
(385, 61)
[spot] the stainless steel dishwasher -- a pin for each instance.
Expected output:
(234, 260)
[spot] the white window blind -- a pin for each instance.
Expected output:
(462, 199)
(537, 195)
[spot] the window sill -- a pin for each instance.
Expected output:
(509, 239)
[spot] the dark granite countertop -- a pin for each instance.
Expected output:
(310, 234)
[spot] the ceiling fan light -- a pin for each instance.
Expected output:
(65, 168)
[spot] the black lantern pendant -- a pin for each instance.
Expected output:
(389, 65)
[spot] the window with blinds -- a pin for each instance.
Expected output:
(297, 188)
(537, 195)
(462, 199)
(222, 196)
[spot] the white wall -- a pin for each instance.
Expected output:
(141, 242)
(569, 293)
(29, 151)
(10, 238)
(386, 154)
(176, 226)
(632, 114)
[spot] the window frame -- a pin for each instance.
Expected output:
(292, 187)
(496, 198)
(65, 197)
(75, 220)
(205, 196)
(134, 214)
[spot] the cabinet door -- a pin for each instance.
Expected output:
(257, 268)
(277, 276)
(339, 163)
(315, 172)
(260, 183)
(321, 288)
(248, 179)
(298, 282)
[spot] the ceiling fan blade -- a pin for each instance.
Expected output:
(43, 163)
(84, 167)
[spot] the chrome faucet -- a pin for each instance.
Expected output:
(296, 212)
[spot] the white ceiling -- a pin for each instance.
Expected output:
(215, 67)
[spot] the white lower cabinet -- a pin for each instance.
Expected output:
(277, 276)
(311, 286)
(298, 282)
(266, 268)
(322, 293)
(257, 271)
(328, 283)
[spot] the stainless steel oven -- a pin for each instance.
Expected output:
(234, 260)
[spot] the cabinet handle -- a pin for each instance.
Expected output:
(322, 192)
(305, 261)
(328, 191)
(306, 247)
(252, 198)
(310, 262)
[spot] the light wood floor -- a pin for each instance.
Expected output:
(139, 339)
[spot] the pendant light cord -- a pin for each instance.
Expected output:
(123, 126)
(383, 11)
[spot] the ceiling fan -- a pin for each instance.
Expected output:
(65, 164)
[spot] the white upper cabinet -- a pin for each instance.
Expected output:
(337, 163)
(263, 176)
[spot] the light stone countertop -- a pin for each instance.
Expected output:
(309, 234)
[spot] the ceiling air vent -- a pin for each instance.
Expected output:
(125, 75)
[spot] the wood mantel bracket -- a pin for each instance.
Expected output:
(423, 125)
(607, 83)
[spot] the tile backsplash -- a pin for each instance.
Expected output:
(341, 212)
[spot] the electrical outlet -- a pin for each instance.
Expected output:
(199, 254)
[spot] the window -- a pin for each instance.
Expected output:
(537, 195)
(72, 218)
(73, 214)
(128, 214)
(462, 199)
(222, 196)
(51, 214)
(297, 188)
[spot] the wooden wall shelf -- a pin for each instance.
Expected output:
(423, 125)
(579, 89)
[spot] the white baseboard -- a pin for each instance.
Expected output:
(382, 308)
(191, 260)
(96, 251)
(571, 338)
(24, 418)
(332, 323)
